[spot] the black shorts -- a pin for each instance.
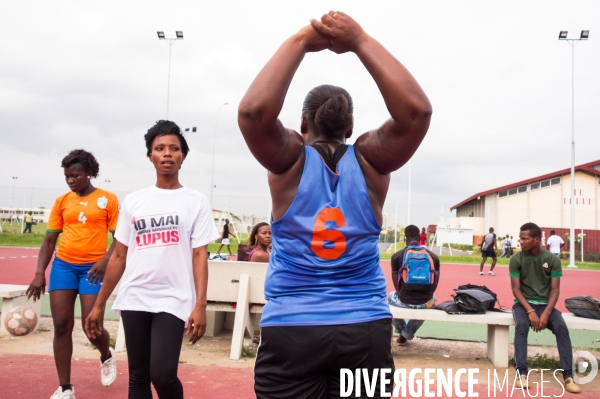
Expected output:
(305, 361)
(488, 253)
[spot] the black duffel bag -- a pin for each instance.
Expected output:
(584, 306)
(473, 301)
(481, 288)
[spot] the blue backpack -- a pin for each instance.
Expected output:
(418, 269)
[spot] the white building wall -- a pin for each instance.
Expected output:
(545, 206)
(511, 214)
(585, 201)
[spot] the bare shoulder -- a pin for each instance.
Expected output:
(260, 256)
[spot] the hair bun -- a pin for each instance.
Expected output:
(334, 117)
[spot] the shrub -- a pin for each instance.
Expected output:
(465, 247)
(587, 256)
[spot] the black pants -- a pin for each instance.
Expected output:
(153, 345)
(304, 362)
(27, 227)
(556, 324)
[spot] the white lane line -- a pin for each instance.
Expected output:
(34, 256)
(13, 257)
(23, 256)
(1, 257)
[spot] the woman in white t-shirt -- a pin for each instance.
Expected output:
(161, 256)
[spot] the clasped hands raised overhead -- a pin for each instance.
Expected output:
(335, 31)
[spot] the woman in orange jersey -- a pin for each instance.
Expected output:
(82, 217)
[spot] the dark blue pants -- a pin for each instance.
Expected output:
(556, 324)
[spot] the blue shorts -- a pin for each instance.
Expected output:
(67, 276)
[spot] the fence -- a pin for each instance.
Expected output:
(591, 242)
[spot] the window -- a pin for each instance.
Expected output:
(554, 181)
(503, 193)
(512, 191)
(535, 186)
(522, 189)
(545, 183)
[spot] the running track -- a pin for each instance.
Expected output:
(17, 266)
(30, 376)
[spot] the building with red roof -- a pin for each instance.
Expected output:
(544, 200)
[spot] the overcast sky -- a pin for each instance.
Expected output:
(93, 75)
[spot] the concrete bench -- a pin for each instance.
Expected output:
(497, 326)
(13, 296)
(240, 282)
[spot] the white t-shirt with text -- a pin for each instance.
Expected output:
(161, 228)
(554, 242)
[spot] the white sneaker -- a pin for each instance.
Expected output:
(108, 369)
(491, 273)
(481, 273)
(59, 394)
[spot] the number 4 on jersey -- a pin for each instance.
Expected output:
(82, 218)
(321, 235)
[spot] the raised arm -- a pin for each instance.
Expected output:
(274, 146)
(394, 143)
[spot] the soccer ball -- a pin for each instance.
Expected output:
(20, 321)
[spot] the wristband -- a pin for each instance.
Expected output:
(529, 311)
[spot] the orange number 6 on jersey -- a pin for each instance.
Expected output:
(320, 234)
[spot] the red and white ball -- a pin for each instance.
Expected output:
(20, 321)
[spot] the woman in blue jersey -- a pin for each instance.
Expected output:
(326, 292)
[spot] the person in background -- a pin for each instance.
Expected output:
(488, 249)
(28, 222)
(554, 243)
(225, 237)
(423, 237)
(535, 281)
(505, 246)
(405, 295)
(82, 218)
(260, 242)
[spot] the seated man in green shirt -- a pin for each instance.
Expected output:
(535, 279)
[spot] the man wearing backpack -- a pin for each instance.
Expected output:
(415, 273)
(535, 279)
(488, 249)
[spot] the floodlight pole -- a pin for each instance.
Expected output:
(170, 41)
(14, 179)
(572, 43)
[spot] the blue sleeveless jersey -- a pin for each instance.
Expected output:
(324, 266)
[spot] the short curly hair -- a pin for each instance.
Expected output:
(84, 158)
(164, 128)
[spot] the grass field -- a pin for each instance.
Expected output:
(11, 237)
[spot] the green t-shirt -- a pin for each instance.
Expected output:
(535, 273)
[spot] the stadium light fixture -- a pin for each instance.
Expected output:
(170, 40)
(572, 42)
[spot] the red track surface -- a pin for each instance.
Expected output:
(17, 266)
(28, 376)
(34, 376)
(31, 376)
